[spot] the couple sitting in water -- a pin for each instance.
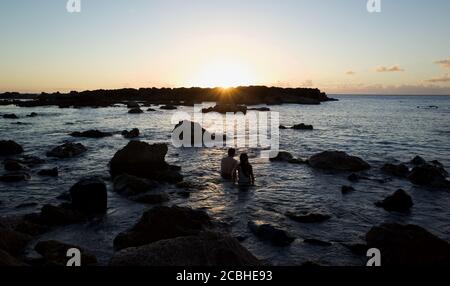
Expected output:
(240, 172)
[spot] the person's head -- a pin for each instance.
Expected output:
(243, 158)
(231, 152)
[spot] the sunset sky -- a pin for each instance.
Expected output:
(335, 45)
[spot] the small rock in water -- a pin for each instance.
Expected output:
(128, 185)
(168, 107)
(284, 156)
(135, 111)
(336, 160)
(302, 126)
(14, 165)
(270, 233)
(63, 214)
(400, 170)
(91, 134)
(283, 127)
(151, 109)
(308, 217)
(429, 175)
(10, 116)
(67, 150)
(49, 172)
(347, 189)
(400, 201)
(9, 147)
(15, 177)
(418, 161)
(32, 114)
(133, 133)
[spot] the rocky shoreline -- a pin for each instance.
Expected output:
(169, 97)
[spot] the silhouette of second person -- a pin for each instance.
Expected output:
(243, 173)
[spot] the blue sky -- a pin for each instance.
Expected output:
(335, 45)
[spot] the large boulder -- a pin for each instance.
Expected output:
(429, 175)
(63, 214)
(89, 195)
(144, 160)
(268, 232)
(336, 160)
(400, 201)
(163, 223)
(54, 253)
(67, 150)
(12, 241)
(91, 134)
(408, 245)
(7, 260)
(205, 249)
(9, 147)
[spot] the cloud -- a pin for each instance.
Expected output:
(444, 78)
(444, 63)
(395, 68)
(350, 73)
(361, 88)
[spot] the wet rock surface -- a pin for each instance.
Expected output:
(336, 160)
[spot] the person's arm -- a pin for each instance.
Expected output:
(233, 174)
(252, 176)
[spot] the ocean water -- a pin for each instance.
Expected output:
(379, 129)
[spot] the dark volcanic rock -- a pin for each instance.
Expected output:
(347, 189)
(205, 249)
(89, 195)
(270, 233)
(6, 260)
(54, 253)
(12, 241)
(31, 161)
(400, 170)
(133, 133)
(259, 109)
(49, 172)
(67, 150)
(225, 108)
(418, 161)
(10, 116)
(302, 126)
(162, 223)
(408, 245)
(128, 185)
(429, 175)
(32, 114)
(14, 165)
(336, 160)
(151, 109)
(283, 127)
(283, 156)
(168, 107)
(9, 147)
(144, 160)
(308, 217)
(91, 134)
(59, 215)
(15, 177)
(135, 111)
(400, 201)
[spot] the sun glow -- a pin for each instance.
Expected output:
(223, 73)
